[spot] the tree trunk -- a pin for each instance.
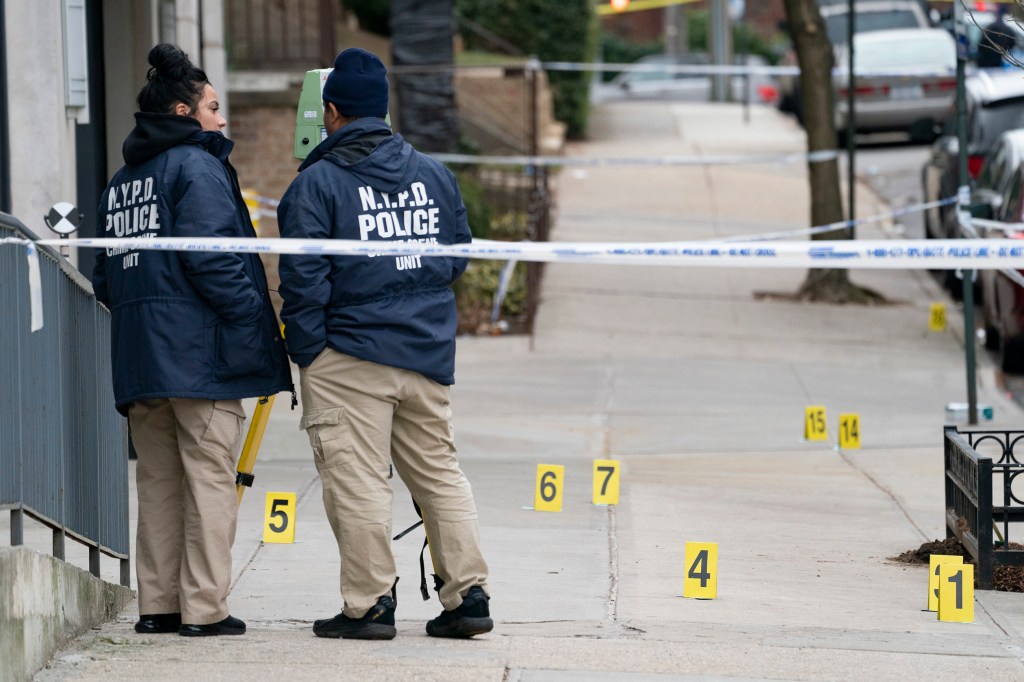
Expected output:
(816, 59)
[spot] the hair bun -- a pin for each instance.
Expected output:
(169, 62)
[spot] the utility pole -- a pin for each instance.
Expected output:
(851, 126)
(677, 37)
(963, 200)
(720, 44)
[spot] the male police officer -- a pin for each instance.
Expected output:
(375, 340)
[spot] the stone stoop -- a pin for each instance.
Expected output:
(494, 109)
(44, 603)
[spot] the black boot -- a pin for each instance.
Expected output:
(158, 623)
(228, 626)
(472, 617)
(377, 623)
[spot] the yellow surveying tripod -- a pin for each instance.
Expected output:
(254, 438)
(251, 448)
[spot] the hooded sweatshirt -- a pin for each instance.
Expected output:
(184, 324)
(364, 183)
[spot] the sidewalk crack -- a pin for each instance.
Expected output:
(892, 496)
(259, 543)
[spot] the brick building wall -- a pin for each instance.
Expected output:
(649, 25)
(264, 153)
(642, 27)
(764, 15)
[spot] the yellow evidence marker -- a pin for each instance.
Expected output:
(849, 431)
(279, 523)
(548, 495)
(606, 481)
(701, 579)
(815, 427)
(956, 592)
(934, 561)
(937, 318)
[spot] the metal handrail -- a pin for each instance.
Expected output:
(63, 446)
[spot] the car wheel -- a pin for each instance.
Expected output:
(991, 336)
(923, 132)
(1011, 355)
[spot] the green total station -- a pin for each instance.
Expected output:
(309, 117)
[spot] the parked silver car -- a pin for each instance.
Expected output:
(904, 80)
(659, 81)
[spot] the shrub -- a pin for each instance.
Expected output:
(478, 212)
(553, 31)
(474, 296)
(374, 15)
(615, 50)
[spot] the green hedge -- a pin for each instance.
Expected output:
(565, 30)
(373, 15)
(744, 39)
(616, 50)
(553, 31)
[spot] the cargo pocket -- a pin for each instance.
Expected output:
(224, 429)
(328, 433)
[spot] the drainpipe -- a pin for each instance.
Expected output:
(5, 151)
(212, 52)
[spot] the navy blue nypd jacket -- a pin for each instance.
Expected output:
(184, 324)
(365, 183)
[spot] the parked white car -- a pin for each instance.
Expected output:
(904, 80)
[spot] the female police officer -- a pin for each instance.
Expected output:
(192, 334)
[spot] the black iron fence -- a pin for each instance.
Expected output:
(974, 484)
(63, 447)
(502, 109)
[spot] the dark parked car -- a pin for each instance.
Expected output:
(995, 104)
(1000, 195)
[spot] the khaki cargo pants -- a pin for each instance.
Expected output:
(361, 416)
(188, 506)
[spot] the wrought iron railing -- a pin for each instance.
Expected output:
(280, 35)
(972, 515)
(63, 446)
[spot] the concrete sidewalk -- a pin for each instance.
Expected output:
(698, 386)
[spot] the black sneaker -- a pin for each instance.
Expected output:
(377, 623)
(158, 623)
(228, 626)
(472, 617)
